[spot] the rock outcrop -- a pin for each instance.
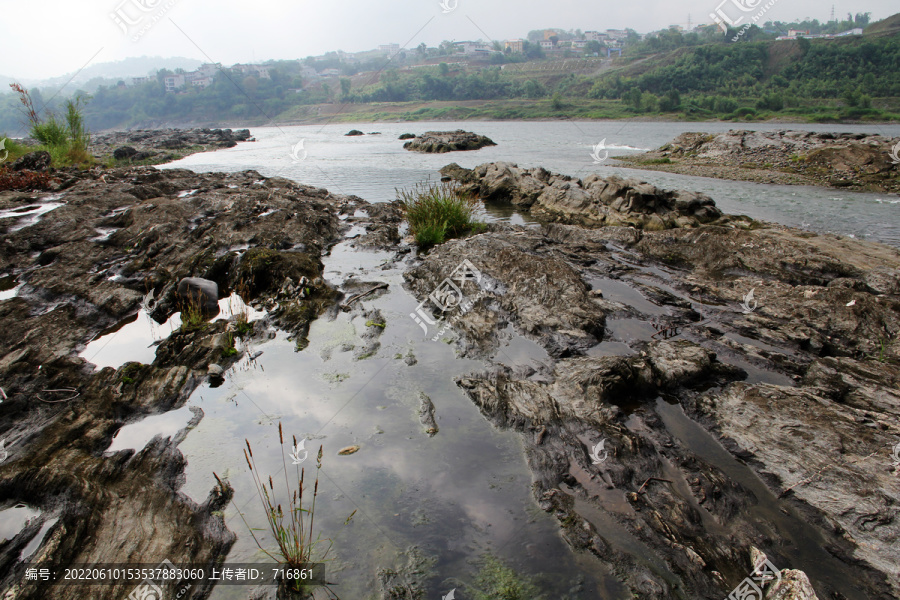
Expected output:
(846, 160)
(593, 202)
(448, 141)
(160, 145)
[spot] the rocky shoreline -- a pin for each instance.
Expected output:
(640, 297)
(849, 160)
(157, 146)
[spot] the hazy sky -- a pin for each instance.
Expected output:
(45, 38)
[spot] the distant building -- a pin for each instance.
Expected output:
(617, 34)
(514, 45)
(793, 34)
(389, 49)
(139, 80)
(201, 78)
(546, 45)
(549, 33)
(258, 71)
(174, 83)
(579, 43)
(472, 47)
(330, 73)
(209, 70)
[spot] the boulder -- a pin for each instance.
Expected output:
(406, 136)
(124, 153)
(202, 291)
(33, 161)
(354, 132)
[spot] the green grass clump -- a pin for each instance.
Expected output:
(437, 212)
(192, 317)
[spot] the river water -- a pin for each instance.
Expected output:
(372, 166)
(466, 491)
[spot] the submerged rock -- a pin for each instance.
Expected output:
(447, 141)
(426, 414)
(354, 132)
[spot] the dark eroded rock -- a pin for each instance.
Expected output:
(33, 161)
(448, 141)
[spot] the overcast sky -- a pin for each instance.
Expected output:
(46, 38)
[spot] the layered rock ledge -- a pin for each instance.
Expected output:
(594, 201)
(846, 160)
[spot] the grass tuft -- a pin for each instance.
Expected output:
(438, 212)
(291, 527)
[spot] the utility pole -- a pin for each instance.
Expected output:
(689, 21)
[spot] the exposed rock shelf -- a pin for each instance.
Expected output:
(161, 145)
(847, 160)
(594, 201)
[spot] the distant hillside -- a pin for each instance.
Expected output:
(127, 68)
(889, 26)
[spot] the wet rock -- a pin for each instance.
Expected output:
(202, 292)
(346, 451)
(76, 288)
(354, 132)
(447, 141)
(794, 585)
(406, 136)
(594, 202)
(33, 161)
(215, 370)
(547, 298)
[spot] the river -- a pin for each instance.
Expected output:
(372, 166)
